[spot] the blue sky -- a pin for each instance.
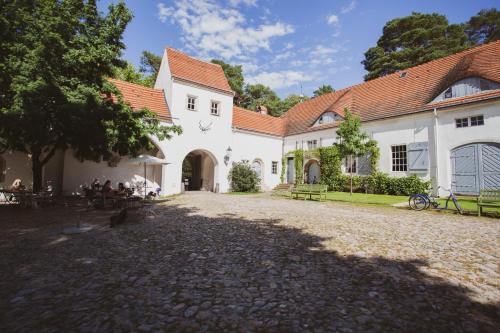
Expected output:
(282, 44)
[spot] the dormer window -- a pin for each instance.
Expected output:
(467, 87)
(327, 117)
(191, 103)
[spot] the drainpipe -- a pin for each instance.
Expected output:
(435, 168)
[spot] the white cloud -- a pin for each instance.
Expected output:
(209, 28)
(333, 19)
(349, 7)
(289, 46)
(321, 51)
(244, 2)
(249, 67)
(282, 79)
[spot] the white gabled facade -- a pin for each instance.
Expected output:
(436, 147)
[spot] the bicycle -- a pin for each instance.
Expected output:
(425, 201)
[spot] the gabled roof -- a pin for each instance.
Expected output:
(244, 119)
(143, 97)
(197, 71)
(393, 95)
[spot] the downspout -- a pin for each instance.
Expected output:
(435, 168)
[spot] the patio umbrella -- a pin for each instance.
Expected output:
(146, 160)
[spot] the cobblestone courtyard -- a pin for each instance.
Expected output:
(206, 262)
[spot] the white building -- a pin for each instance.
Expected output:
(439, 120)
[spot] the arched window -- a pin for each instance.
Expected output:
(327, 117)
(466, 87)
(3, 169)
(257, 167)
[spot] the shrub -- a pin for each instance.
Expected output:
(243, 178)
(330, 167)
(299, 166)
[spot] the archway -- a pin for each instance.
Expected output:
(198, 171)
(311, 172)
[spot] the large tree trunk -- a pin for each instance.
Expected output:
(350, 171)
(37, 170)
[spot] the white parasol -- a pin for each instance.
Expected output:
(146, 160)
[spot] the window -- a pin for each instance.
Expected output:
(214, 108)
(462, 122)
(327, 117)
(191, 103)
(477, 120)
(274, 169)
(399, 161)
(448, 93)
(312, 144)
(353, 167)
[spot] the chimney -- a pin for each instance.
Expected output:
(262, 109)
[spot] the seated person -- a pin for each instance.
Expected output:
(17, 186)
(121, 191)
(107, 189)
(95, 184)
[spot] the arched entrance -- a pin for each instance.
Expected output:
(311, 172)
(198, 171)
(475, 167)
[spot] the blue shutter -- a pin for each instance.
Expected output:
(418, 156)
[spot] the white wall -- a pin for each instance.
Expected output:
(215, 141)
(251, 146)
(450, 137)
(78, 174)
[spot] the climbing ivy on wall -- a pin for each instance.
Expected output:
(283, 169)
(299, 166)
(374, 152)
(330, 166)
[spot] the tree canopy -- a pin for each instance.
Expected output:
(324, 89)
(412, 40)
(352, 142)
(484, 27)
(54, 59)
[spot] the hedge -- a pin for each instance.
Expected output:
(379, 183)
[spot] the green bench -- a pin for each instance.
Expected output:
(488, 198)
(309, 190)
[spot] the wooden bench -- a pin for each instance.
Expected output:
(488, 198)
(309, 189)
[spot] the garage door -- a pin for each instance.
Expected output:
(474, 167)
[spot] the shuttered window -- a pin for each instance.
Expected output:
(418, 156)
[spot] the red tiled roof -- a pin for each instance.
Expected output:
(256, 122)
(190, 69)
(392, 95)
(143, 97)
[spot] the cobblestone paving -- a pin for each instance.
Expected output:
(206, 262)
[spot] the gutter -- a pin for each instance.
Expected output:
(435, 169)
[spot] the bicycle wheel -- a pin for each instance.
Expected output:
(417, 202)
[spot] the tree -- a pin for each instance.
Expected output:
(243, 178)
(352, 141)
(289, 102)
(234, 75)
(54, 59)
(150, 66)
(130, 74)
(412, 40)
(256, 95)
(484, 27)
(324, 89)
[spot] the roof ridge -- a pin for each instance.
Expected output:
(191, 57)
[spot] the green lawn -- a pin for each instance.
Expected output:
(242, 193)
(374, 199)
(468, 204)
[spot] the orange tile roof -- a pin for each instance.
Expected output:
(256, 122)
(143, 97)
(190, 69)
(392, 95)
